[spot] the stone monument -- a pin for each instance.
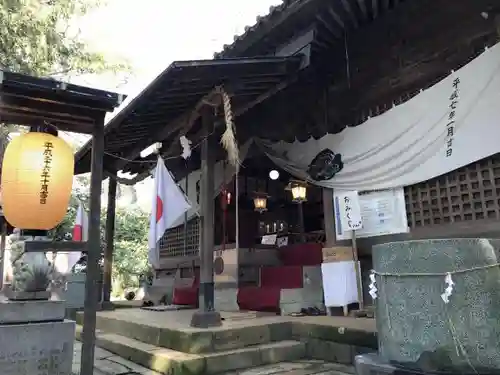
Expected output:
(437, 308)
(35, 339)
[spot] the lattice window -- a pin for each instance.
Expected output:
(172, 242)
(467, 194)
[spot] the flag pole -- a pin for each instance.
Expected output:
(237, 208)
(156, 151)
(186, 217)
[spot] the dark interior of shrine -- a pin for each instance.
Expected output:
(282, 214)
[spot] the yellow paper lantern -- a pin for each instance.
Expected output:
(37, 176)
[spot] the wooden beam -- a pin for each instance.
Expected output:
(336, 17)
(385, 4)
(362, 6)
(350, 12)
(237, 112)
(328, 25)
(184, 122)
(375, 8)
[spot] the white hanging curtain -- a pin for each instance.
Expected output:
(450, 125)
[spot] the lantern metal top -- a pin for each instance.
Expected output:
(33, 101)
(292, 183)
(260, 194)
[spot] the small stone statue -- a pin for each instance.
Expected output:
(32, 272)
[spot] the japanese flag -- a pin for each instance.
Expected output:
(80, 230)
(169, 204)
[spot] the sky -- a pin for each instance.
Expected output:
(151, 34)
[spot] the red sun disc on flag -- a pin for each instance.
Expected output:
(159, 208)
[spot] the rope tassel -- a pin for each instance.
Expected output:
(228, 139)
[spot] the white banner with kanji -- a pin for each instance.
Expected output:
(450, 125)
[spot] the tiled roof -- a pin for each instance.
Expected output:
(274, 13)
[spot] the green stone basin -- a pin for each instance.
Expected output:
(414, 324)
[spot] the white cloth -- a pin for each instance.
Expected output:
(169, 203)
(339, 283)
(408, 144)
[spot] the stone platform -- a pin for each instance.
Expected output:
(164, 341)
(107, 363)
(35, 338)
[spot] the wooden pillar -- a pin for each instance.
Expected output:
(329, 217)
(110, 241)
(93, 250)
(206, 316)
(3, 242)
(301, 222)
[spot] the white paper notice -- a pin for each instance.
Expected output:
(350, 211)
(382, 212)
(339, 283)
(270, 239)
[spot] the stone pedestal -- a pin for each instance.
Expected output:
(35, 339)
(416, 328)
(226, 280)
(226, 298)
(13, 312)
(310, 295)
(234, 268)
(73, 292)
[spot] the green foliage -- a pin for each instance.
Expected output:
(131, 242)
(130, 257)
(37, 39)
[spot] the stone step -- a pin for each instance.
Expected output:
(299, 367)
(171, 362)
(193, 341)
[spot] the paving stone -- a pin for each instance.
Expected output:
(107, 363)
(101, 353)
(302, 367)
(277, 368)
(132, 366)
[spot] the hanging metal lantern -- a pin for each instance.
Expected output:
(299, 191)
(260, 202)
(37, 176)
